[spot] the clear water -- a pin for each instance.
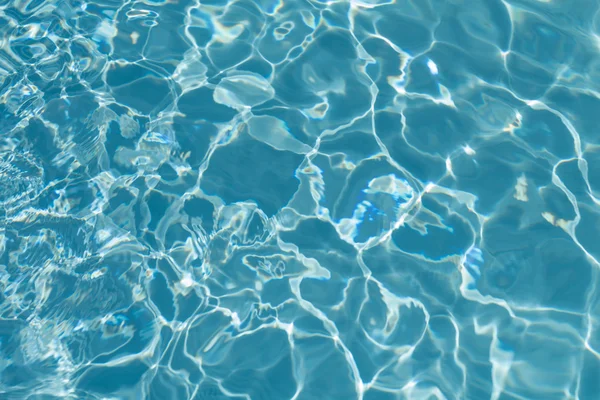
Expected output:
(299, 199)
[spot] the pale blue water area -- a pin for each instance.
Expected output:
(299, 199)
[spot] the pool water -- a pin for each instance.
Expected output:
(299, 199)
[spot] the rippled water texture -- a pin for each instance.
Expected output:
(299, 199)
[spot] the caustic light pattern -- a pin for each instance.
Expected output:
(299, 199)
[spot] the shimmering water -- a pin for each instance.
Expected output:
(299, 199)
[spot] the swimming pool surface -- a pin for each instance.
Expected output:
(300, 199)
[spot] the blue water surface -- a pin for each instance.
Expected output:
(299, 199)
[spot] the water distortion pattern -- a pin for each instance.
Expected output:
(299, 199)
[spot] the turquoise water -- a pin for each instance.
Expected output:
(299, 199)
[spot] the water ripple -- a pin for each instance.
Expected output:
(299, 199)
